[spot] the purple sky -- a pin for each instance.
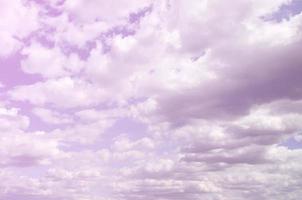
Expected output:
(150, 100)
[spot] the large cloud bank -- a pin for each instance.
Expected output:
(150, 100)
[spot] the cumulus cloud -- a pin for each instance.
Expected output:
(11, 119)
(52, 117)
(143, 99)
(23, 150)
(49, 62)
(13, 28)
(62, 92)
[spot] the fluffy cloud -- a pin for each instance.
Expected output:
(186, 99)
(23, 150)
(11, 119)
(52, 117)
(49, 63)
(13, 28)
(63, 92)
(19, 148)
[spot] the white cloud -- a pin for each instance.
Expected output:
(63, 92)
(25, 150)
(82, 133)
(210, 92)
(10, 119)
(13, 28)
(49, 62)
(52, 117)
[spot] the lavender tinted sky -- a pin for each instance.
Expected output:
(150, 100)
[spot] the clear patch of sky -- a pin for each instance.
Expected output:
(291, 143)
(285, 11)
(11, 73)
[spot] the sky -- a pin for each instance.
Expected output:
(150, 99)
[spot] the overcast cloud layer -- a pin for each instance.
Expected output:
(150, 99)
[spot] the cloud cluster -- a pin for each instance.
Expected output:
(145, 99)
